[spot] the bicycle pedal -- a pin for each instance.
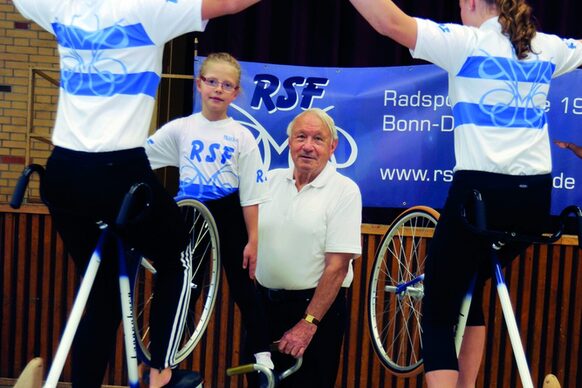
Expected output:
(551, 381)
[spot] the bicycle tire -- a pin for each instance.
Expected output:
(205, 279)
(394, 316)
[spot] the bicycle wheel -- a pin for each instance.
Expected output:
(205, 276)
(396, 290)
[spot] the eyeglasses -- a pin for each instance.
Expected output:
(228, 87)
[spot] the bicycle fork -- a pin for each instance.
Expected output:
(75, 317)
(127, 318)
(77, 312)
(511, 324)
(508, 315)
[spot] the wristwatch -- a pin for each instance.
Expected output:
(311, 319)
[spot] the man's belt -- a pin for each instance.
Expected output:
(280, 295)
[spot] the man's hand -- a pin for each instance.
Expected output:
(297, 339)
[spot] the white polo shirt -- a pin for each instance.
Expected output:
(216, 158)
(498, 101)
(296, 229)
(111, 61)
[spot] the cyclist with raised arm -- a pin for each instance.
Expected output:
(111, 59)
(500, 69)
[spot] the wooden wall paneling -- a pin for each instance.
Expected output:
(574, 344)
(517, 283)
(38, 284)
(19, 332)
(558, 359)
(3, 255)
(561, 301)
(33, 283)
(552, 310)
(7, 282)
(356, 297)
(541, 312)
(44, 268)
(521, 307)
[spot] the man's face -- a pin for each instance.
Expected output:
(311, 145)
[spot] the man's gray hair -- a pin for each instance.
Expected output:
(323, 116)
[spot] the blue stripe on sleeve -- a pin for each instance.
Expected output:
(506, 69)
(499, 116)
(114, 37)
(108, 84)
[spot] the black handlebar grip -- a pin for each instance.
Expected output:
(129, 201)
(480, 221)
(18, 194)
(22, 184)
(124, 210)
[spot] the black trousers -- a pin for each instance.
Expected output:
(82, 188)
(321, 358)
(455, 256)
(232, 232)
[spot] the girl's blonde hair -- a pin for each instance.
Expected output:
(222, 58)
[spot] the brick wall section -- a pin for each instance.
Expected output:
(23, 45)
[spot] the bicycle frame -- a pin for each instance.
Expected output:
(406, 288)
(272, 376)
(508, 315)
(79, 306)
(497, 240)
(88, 280)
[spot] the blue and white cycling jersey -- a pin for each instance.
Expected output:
(111, 59)
(215, 158)
(498, 101)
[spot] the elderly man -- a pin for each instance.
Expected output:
(308, 236)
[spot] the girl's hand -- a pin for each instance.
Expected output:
(250, 259)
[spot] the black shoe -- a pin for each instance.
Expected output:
(185, 379)
(180, 379)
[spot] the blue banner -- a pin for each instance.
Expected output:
(395, 126)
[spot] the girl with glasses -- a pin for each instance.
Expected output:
(220, 165)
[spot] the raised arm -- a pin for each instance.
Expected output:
(389, 20)
(215, 8)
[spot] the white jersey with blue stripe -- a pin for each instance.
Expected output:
(111, 58)
(498, 101)
(215, 158)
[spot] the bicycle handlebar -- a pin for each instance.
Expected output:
(242, 369)
(272, 378)
(480, 226)
(22, 184)
(127, 206)
(123, 217)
